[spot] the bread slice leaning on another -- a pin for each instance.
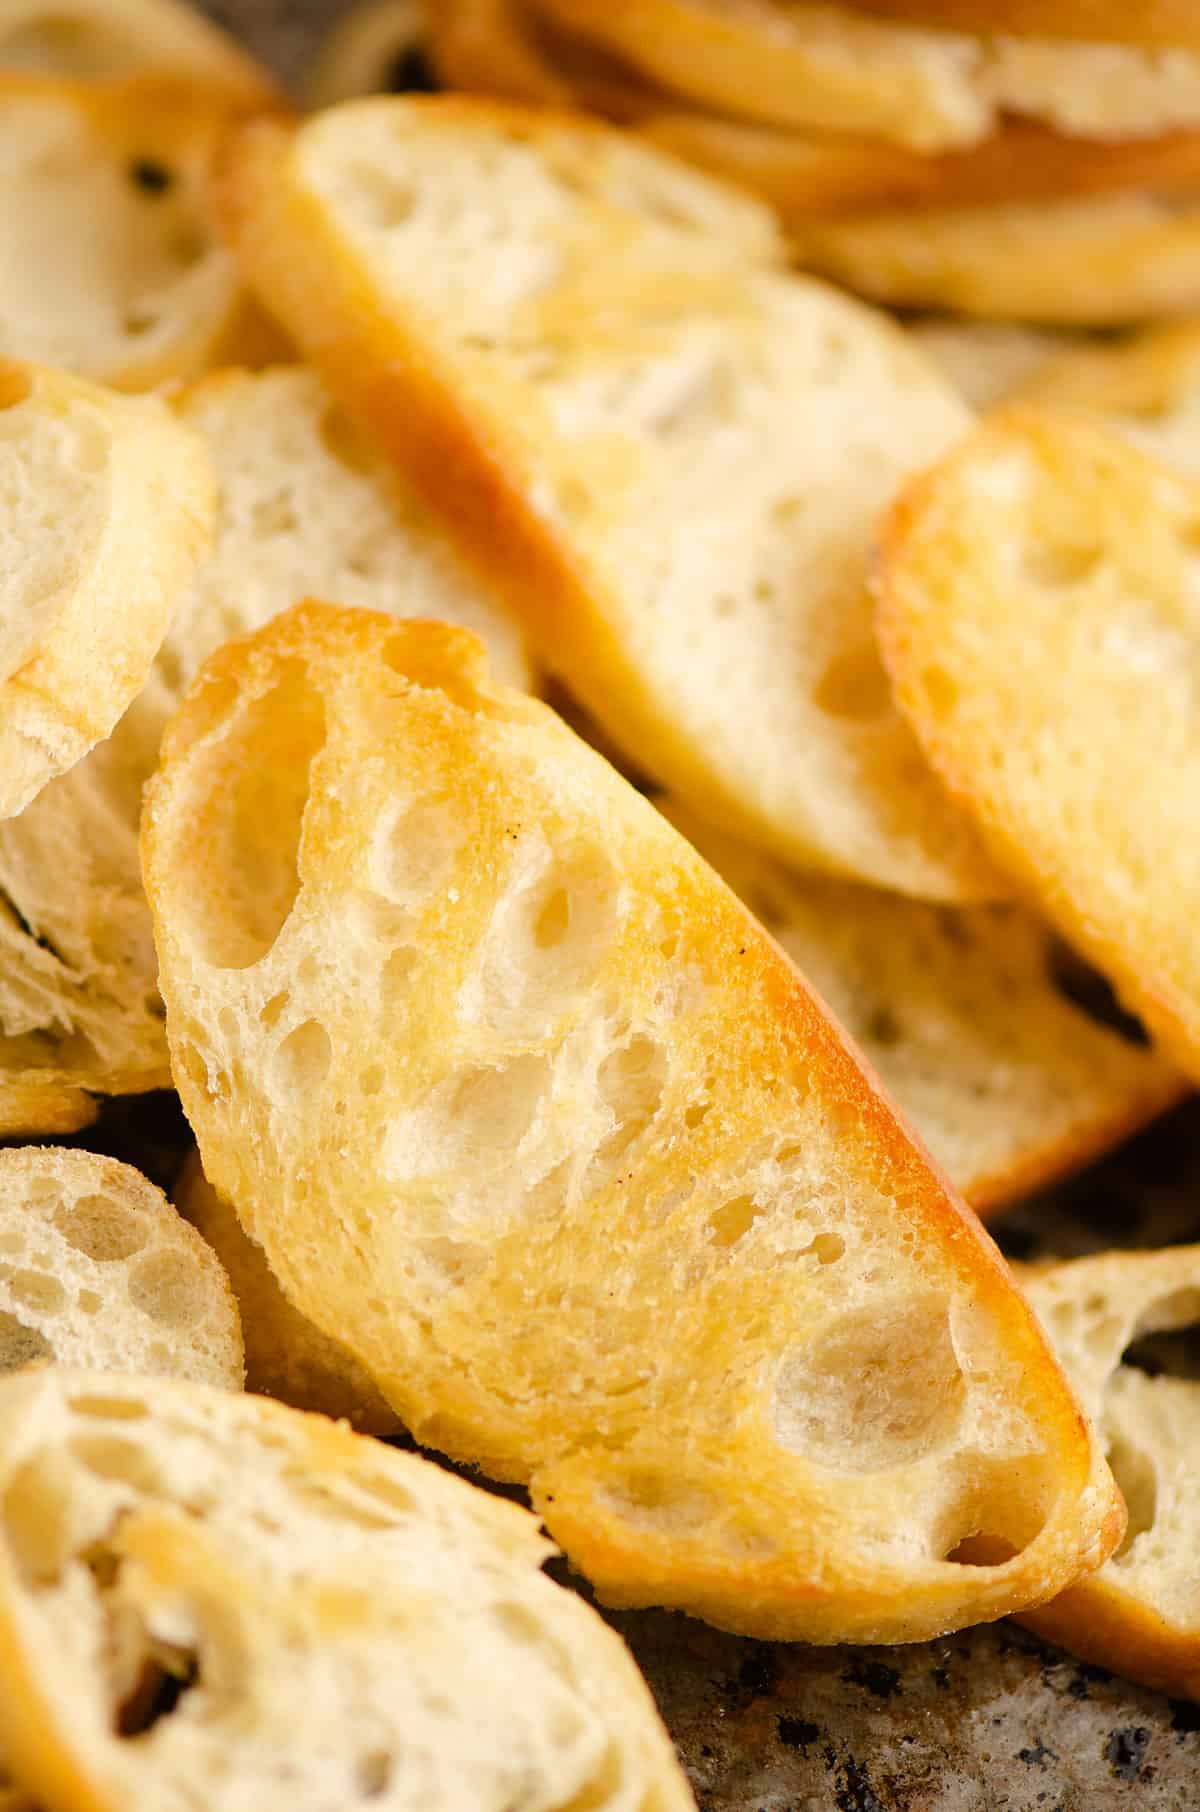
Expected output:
(976, 1020)
(1039, 614)
(98, 1270)
(304, 1616)
(671, 454)
(89, 38)
(109, 261)
(1140, 1614)
(286, 1356)
(524, 1107)
(106, 509)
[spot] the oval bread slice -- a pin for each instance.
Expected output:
(669, 454)
(1039, 614)
(1099, 261)
(523, 1106)
(202, 1592)
(971, 1017)
(97, 1270)
(109, 262)
(796, 64)
(106, 507)
(286, 1356)
(89, 38)
(1140, 1614)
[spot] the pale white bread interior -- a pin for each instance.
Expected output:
(671, 455)
(797, 64)
(88, 38)
(1166, 23)
(286, 1356)
(1140, 1614)
(524, 1107)
(987, 361)
(1040, 616)
(1146, 388)
(211, 1599)
(365, 48)
(98, 1270)
(79, 1009)
(969, 1016)
(106, 509)
(109, 262)
(1098, 261)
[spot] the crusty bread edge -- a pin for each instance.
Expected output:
(1164, 23)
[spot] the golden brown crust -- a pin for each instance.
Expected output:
(1160, 23)
(607, 1430)
(1069, 852)
(1104, 1625)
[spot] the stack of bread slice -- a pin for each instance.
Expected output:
(1036, 163)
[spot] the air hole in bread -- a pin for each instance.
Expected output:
(372, 1079)
(1092, 993)
(548, 940)
(267, 755)
(373, 1774)
(125, 1462)
(138, 321)
(168, 1288)
(16, 385)
(941, 691)
(854, 686)
(826, 1248)
(272, 1011)
(1134, 1473)
(101, 1229)
(733, 1220)
(630, 1082)
(301, 1063)
(163, 1673)
(413, 851)
(343, 442)
(150, 175)
(1056, 564)
(20, 1345)
(656, 1498)
(982, 1550)
(91, 1302)
(1171, 1351)
(109, 1409)
(36, 1512)
(380, 201)
(696, 1114)
(35, 1291)
(452, 1261)
(388, 1491)
(476, 1122)
(882, 1387)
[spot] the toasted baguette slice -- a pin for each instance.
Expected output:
(286, 1356)
(98, 1270)
(989, 361)
(106, 507)
(829, 67)
(493, 47)
(1104, 261)
(1140, 1614)
(1147, 388)
(671, 455)
(1039, 617)
(368, 51)
(301, 1615)
(971, 1018)
(523, 1106)
(109, 264)
(1163, 23)
(122, 37)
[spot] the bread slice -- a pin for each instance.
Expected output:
(286, 1356)
(106, 508)
(495, 47)
(990, 361)
(367, 50)
(88, 38)
(79, 1009)
(1037, 611)
(1146, 388)
(1103, 261)
(829, 67)
(523, 1106)
(671, 455)
(213, 1599)
(98, 1270)
(109, 264)
(973, 1019)
(1164, 23)
(1140, 1614)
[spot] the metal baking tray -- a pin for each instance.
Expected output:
(988, 1720)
